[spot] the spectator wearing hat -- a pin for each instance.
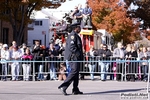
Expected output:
(5, 55)
(15, 55)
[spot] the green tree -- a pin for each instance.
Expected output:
(18, 12)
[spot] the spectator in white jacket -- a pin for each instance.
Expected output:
(5, 55)
(15, 55)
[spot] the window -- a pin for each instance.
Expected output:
(7, 10)
(38, 23)
(5, 35)
(107, 40)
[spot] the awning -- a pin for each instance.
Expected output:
(87, 32)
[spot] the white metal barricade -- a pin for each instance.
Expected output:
(148, 82)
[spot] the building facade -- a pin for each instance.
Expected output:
(39, 32)
(6, 33)
(41, 29)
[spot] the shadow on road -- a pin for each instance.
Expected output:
(90, 93)
(115, 91)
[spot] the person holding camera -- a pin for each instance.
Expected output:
(76, 15)
(38, 53)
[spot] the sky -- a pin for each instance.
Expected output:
(65, 7)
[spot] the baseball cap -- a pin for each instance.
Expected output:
(5, 46)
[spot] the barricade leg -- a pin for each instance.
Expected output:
(102, 66)
(125, 73)
(28, 72)
(33, 75)
(13, 72)
(148, 82)
(3, 68)
(139, 72)
(114, 70)
(119, 72)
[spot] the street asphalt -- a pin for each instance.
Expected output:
(47, 90)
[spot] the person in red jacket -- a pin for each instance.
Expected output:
(27, 65)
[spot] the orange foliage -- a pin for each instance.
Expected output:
(148, 34)
(108, 15)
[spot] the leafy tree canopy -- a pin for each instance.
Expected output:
(142, 12)
(109, 15)
(18, 12)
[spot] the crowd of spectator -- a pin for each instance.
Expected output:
(132, 70)
(37, 53)
(57, 68)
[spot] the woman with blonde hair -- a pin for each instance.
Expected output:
(132, 67)
(91, 57)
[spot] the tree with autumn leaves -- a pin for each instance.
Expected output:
(142, 13)
(109, 15)
(18, 12)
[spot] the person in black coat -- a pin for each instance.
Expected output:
(38, 53)
(104, 54)
(73, 53)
